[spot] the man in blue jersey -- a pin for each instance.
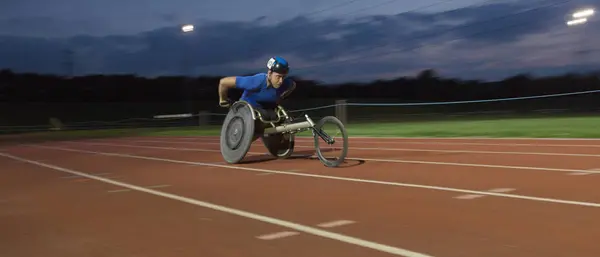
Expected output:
(262, 90)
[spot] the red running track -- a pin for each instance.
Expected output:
(395, 197)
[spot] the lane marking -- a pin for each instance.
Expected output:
(476, 165)
(502, 190)
(442, 138)
(129, 190)
(335, 223)
(451, 143)
(378, 182)
(584, 173)
(246, 214)
(469, 151)
(383, 141)
(278, 235)
(468, 197)
(149, 147)
(75, 176)
(267, 174)
(380, 160)
(475, 196)
(401, 149)
(578, 174)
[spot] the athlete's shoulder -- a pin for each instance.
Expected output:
(250, 82)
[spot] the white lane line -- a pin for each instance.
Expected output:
(335, 223)
(427, 138)
(477, 138)
(267, 174)
(387, 141)
(584, 173)
(278, 235)
(128, 190)
(475, 196)
(501, 190)
(468, 197)
(402, 149)
(476, 165)
(468, 151)
(97, 174)
(382, 160)
(458, 143)
(249, 215)
(578, 174)
(448, 189)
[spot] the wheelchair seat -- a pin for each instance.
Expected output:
(268, 112)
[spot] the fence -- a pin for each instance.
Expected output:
(47, 116)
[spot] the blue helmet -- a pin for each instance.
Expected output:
(278, 64)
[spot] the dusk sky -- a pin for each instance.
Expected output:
(325, 40)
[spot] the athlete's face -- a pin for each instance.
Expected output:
(276, 79)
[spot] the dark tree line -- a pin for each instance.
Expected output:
(426, 87)
(33, 98)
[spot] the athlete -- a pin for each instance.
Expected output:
(262, 90)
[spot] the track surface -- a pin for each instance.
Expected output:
(173, 196)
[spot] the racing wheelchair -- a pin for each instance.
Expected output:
(244, 124)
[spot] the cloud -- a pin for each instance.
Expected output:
(488, 40)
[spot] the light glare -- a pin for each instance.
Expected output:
(583, 13)
(187, 28)
(576, 21)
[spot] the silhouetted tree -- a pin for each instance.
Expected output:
(25, 96)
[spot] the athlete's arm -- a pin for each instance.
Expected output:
(287, 92)
(225, 84)
(239, 82)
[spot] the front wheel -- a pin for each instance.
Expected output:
(329, 137)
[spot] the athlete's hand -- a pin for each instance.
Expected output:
(224, 103)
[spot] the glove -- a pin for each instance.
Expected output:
(224, 103)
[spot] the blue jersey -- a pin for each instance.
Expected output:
(256, 91)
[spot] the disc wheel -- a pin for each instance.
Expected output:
(333, 128)
(236, 134)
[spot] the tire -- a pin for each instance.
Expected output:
(238, 121)
(318, 140)
(279, 147)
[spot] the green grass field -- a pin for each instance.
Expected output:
(566, 127)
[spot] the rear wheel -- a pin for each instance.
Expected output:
(279, 145)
